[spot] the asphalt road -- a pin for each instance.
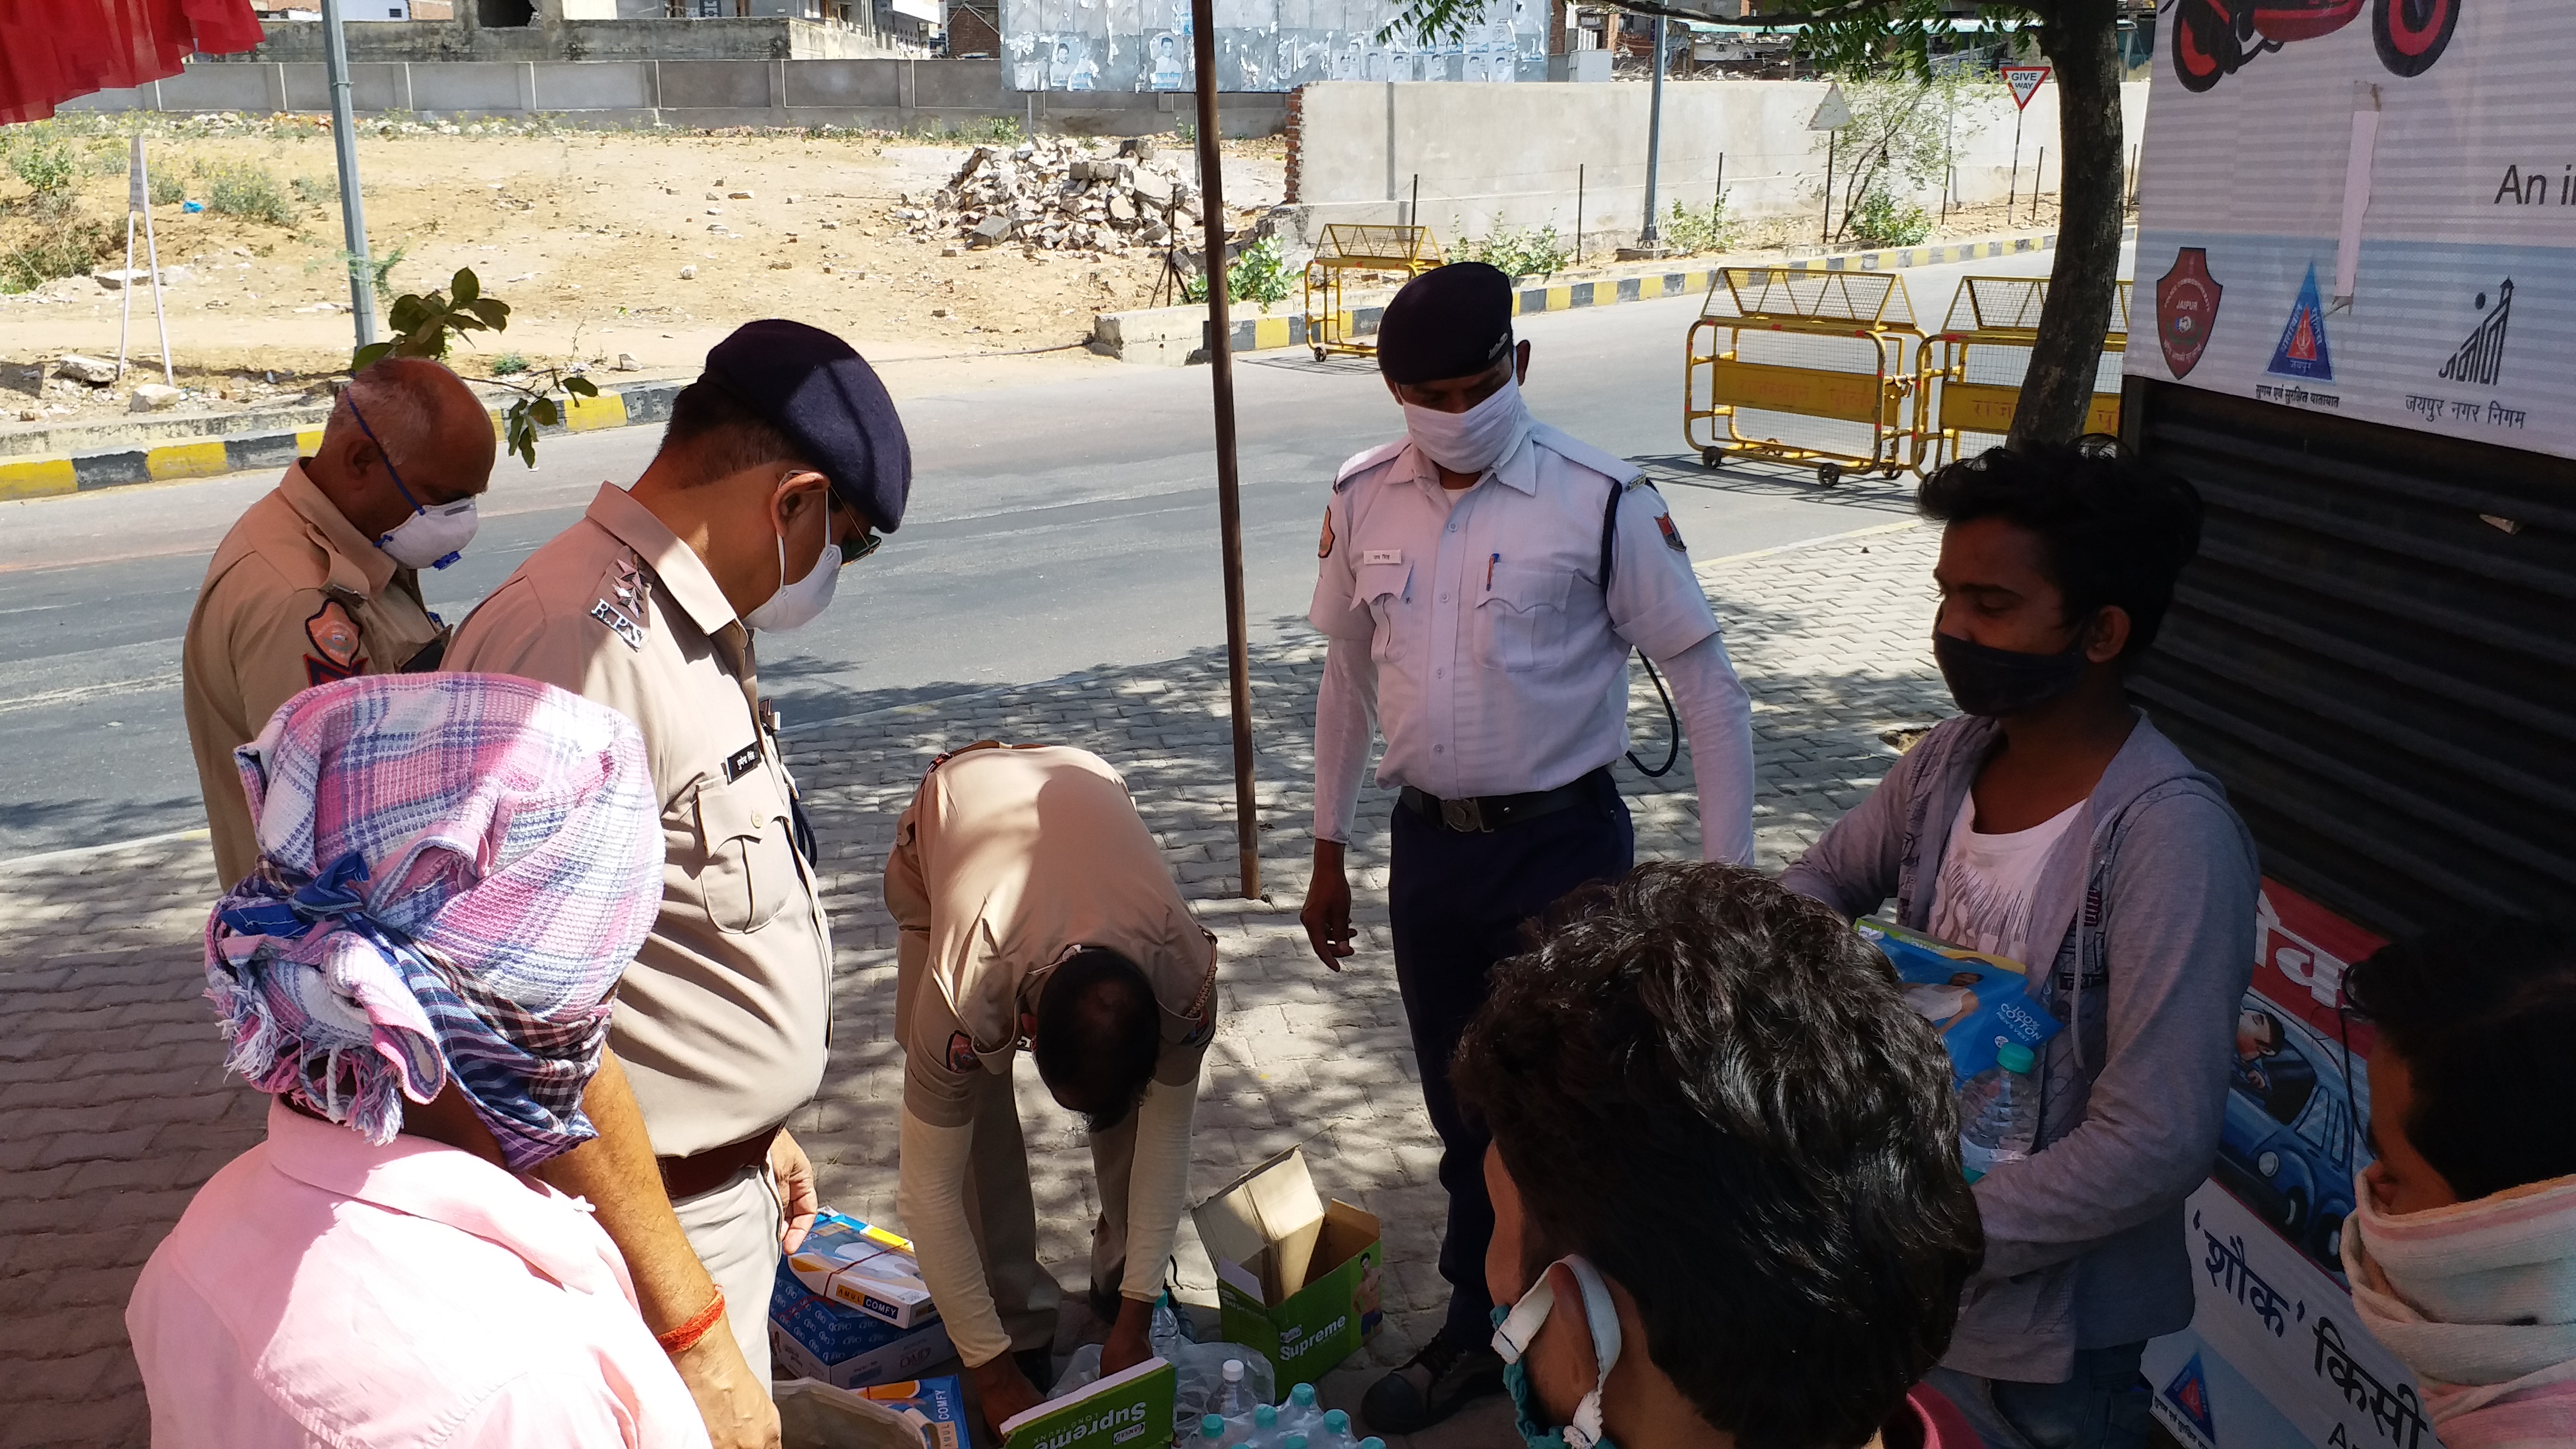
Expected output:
(1052, 527)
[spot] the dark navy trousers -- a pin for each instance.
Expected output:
(1458, 903)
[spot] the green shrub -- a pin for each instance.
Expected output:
(49, 167)
(317, 190)
(167, 190)
(1882, 221)
(248, 190)
(66, 251)
(509, 364)
(1708, 229)
(1259, 274)
(1529, 251)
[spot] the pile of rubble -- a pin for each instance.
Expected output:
(1059, 194)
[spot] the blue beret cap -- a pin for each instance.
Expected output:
(816, 389)
(1452, 321)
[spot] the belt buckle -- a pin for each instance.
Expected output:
(1465, 816)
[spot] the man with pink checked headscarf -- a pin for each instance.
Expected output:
(454, 869)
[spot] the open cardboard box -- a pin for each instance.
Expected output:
(1297, 1277)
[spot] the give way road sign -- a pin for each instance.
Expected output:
(2024, 80)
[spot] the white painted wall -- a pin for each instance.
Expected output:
(1508, 155)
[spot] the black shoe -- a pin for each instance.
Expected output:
(1105, 1303)
(1039, 1365)
(1437, 1381)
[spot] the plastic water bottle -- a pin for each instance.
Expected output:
(1260, 1431)
(1234, 1398)
(1211, 1432)
(2001, 1109)
(1300, 1415)
(1335, 1432)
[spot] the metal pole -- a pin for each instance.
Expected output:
(152, 259)
(1654, 135)
(1825, 228)
(1578, 214)
(2038, 173)
(1413, 208)
(1229, 491)
(2012, 193)
(344, 140)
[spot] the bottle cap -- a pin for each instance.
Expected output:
(1265, 1416)
(1336, 1422)
(1293, 1441)
(1372, 1442)
(1211, 1427)
(1303, 1396)
(2014, 1057)
(1233, 1370)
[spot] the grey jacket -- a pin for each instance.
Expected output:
(2084, 1241)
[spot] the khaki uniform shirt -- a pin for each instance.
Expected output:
(1007, 860)
(295, 597)
(721, 1022)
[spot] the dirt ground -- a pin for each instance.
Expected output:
(629, 252)
(586, 236)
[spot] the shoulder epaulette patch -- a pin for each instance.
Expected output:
(1360, 463)
(1324, 547)
(621, 601)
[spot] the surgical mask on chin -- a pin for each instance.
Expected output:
(1515, 1332)
(798, 604)
(1992, 682)
(1475, 440)
(432, 538)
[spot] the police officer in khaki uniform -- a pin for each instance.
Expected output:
(779, 465)
(1036, 910)
(318, 580)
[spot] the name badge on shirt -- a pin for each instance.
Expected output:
(1382, 556)
(742, 762)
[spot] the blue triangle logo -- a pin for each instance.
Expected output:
(2301, 351)
(2189, 1391)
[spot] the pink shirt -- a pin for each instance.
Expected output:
(320, 1291)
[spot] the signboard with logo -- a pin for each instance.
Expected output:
(2368, 208)
(2275, 1357)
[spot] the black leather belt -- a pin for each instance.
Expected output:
(704, 1172)
(1482, 814)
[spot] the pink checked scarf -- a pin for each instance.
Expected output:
(2478, 1299)
(455, 869)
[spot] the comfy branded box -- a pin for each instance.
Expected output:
(813, 1337)
(1297, 1277)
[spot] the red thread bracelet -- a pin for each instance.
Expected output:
(685, 1337)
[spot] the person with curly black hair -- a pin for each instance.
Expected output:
(1725, 1174)
(2052, 824)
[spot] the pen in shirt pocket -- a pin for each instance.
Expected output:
(1489, 572)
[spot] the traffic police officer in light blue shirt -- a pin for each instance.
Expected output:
(1462, 586)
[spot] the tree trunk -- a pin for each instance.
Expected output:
(2081, 42)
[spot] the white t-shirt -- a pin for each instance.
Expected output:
(1984, 895)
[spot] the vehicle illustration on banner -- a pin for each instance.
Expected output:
(2213, 39)
(2291, 1143)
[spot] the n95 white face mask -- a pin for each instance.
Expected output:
(798, 604)
(431, 538)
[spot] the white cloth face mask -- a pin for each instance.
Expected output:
(798, 604)
(1475, 440)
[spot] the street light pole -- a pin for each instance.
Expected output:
(1654, 136)
(1229, 487)
(344, 140)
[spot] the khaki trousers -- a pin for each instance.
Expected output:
(735, 1232)
(1003, 1212)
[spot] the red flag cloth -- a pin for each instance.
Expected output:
(54, 50)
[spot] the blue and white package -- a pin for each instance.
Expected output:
(1980, 1002)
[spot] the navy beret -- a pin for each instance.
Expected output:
(1452, 321)
(816, 389)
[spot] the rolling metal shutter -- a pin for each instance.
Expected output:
(2376, 651)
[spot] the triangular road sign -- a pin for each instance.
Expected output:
(1832, 113)
(2024, 80)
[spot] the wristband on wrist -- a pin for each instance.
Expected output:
(685, 1337)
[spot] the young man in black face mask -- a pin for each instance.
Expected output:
(2053, 825)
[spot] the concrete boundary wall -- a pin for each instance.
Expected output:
(876, 94)
(1511, 155)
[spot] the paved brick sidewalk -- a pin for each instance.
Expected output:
(113, 1108)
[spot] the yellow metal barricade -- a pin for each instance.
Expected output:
(1810, 367)
(1361, 255)
(1972, 369)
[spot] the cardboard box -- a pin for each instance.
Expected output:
(1297, 1278)
(937, 1407)
(866, 1267)
(912, 1414)
(1131, 1408)
(816, 1338)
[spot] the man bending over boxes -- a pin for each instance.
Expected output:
(1036, 911)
